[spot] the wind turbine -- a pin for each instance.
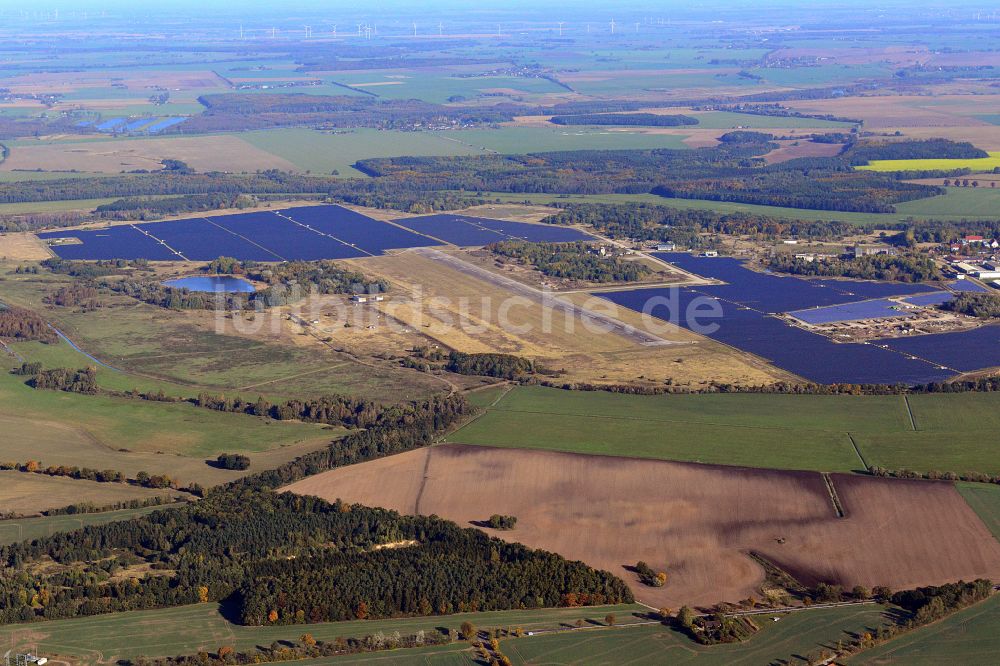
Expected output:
(612, 26)
(499, 36)
(274, 33)
(637, 26)
(241, 32)
(334, 29)
(414, 28)
(359, 30)
(560, 27)
(308, 30)
(440, 29)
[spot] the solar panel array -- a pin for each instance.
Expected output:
(307, 233)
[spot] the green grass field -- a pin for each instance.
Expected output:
(971, 636)
(959, 202)
(186, 629)
(131, 435)
(754, 430)
(976, 164)
(13, 531)
(985, 501)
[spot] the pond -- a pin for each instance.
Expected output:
(212, 284)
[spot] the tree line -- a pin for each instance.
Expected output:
(981, 306)
(892, 268)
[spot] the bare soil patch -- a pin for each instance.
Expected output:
(696, 522)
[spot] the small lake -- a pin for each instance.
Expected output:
(212, 284)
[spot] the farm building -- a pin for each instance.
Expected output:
(367, 298)
(666, 247)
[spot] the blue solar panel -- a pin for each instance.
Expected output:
(466, 230)
(284, 238)
(163, 124)
(136, 124)
(122, 242)
(356, 229)
(199, 240)
(967, 285)
(109, 125)
(850, 312)
(452, 229)
(933, 298)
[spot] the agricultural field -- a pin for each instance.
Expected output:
(204, 153)
(790, 639)
(975, 164)
(822, 433)
(958, 203)
(694, 522)
(25, 493)
(795, 636)
(326, 152)
(985, 501)
(970, 636)
(92, 641)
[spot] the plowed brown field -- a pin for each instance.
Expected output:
(696, 522)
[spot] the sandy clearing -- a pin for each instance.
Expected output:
(23, 247)
(696, 522)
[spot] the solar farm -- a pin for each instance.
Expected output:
(306, 233)
(781, 319)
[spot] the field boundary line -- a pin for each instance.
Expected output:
(832, 491)
(909, 411)
(423, 481)
(857, 450)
